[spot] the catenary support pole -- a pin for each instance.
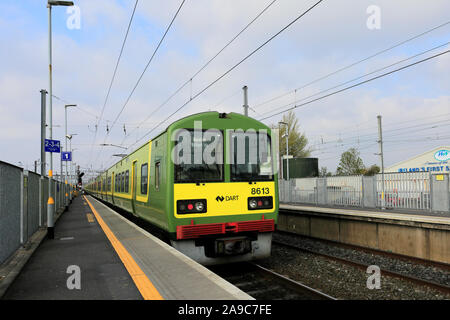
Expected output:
(245, 101)
(43, 125)
(380, 143)
(51, 201)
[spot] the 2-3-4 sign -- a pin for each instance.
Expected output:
(52, 146)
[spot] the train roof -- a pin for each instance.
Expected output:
(239, 121)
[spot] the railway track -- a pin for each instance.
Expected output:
(363, 266)
(264, 284)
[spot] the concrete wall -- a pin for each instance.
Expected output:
(415, 239)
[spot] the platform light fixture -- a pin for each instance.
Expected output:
(286, 134)
(69, 195)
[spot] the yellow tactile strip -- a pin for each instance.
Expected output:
(143, 284)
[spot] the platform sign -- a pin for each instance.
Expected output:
(66, 156)
(52, 146)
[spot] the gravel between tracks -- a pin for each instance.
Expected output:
(348, 282)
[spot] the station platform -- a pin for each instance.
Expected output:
(420, 236)
(405, 215)
(113, 259)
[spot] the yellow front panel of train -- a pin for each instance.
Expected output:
(224, 198)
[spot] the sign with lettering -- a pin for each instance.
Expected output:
(52, 146)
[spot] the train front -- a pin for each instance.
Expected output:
(225, 196)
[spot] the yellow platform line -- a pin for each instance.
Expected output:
(144, 285)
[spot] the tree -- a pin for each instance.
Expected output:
(297, 141)
(323, 172)
(372, 170)
(351, 163)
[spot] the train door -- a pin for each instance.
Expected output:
(106, 187)
(113, 183)
(133, 186)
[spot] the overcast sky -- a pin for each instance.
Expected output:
(414, 103)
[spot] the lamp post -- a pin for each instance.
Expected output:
(70, 136)
(51, 201)
(65, 147)
(74, 179)
(286, 134)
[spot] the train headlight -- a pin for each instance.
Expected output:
(191, 206)
(258, 203)
(199, 206)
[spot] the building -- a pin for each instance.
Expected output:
(434, 161)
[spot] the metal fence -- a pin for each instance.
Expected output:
(23, 206)
(412, 190)
(304, 191)
(404, 190)
(344, 191)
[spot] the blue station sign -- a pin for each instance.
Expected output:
(52, 146)
(66, 156)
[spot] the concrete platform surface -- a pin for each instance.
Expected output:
(114, 259)
(78, 242)
(425, 217)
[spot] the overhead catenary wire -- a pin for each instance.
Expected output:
(340, 144)
(356, 85)
(113, 77)
(118, 61)
(354, 63)
(359, 77)
(143, 72)
(387, 133)
(231, 69)
(148, 63)
(189, 81)
(359, 129)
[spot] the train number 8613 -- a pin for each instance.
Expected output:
(260, 191)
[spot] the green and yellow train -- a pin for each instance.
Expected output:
(208, 181)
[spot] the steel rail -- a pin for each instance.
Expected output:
(363, 266)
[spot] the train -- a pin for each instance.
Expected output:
(208, 182)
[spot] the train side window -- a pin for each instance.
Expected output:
(157, 174)
(122, 187)
(127, 180)
(144, 178)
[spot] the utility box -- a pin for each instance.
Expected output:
(301, 168)
(440, 192)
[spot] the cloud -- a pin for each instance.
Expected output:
(331, 36)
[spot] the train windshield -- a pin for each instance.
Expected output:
(250, 156)
(198, 156)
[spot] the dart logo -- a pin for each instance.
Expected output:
(220, 198)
